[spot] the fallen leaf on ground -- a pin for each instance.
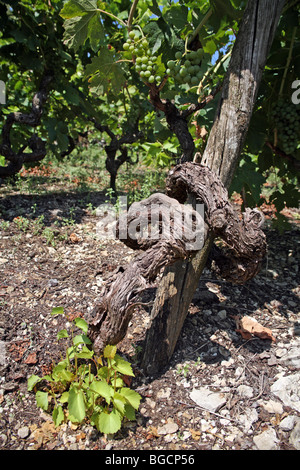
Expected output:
(152, 432)
(44, 434)
(249, 327)
(195, 434)
(31, 358)
(74, 238)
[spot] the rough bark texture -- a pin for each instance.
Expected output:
(109, 320)
(244, 238)
(178, 120)
(36, 145)
(240, 87)
(222, 154)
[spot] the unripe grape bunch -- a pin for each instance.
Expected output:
(144, 61)
(185, 69)
(286, 119)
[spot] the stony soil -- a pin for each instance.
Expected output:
(220, 391)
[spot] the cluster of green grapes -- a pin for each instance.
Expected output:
(186, 68)
(145, 62)
(286, 118)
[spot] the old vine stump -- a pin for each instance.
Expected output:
(244, 245)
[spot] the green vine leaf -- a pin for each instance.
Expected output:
(131, 396)
(76, 404)
(106, 74)
(82, 22)
(109, 423)
(102, 389)
(58, 415)
(123, 366)
(75, 8)
(42, 400)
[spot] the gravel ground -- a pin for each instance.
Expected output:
(220, 390)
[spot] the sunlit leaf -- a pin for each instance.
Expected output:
(76, 404)
(42, 399)
(109, 423)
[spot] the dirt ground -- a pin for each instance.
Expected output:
(66, 266)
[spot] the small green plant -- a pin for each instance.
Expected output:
(50, 236)
(4, 225)
(71, 219)
(22, 223)
(38, 224)
(85, 388)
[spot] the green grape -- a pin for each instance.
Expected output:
(138, 60)
(197, 61)
(285, 119)
(194, 80)
(144, 66)
(168, 71)
(147, 73)
(140, 52)
(187, 64)
(145, 43)
(183, 72)
(171, 64)
(151, 79)
(187, 78)
(158, 78)
(132, 34)
(178, 55)
(131, 48)
(192, 55)
(145, 59)
(126, 46)
(142, 74)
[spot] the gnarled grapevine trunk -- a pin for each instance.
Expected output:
(32, 119)
(170, 238)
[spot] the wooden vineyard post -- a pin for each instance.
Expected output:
(221, 155)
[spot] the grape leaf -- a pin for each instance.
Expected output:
(123, 366)
(76, 404)
(58, 415)
(82, 22)
(42, 400)
(105, 72)
(176, 16)
(75, 8)
(103, 389)
(109, 423)
(131, 396)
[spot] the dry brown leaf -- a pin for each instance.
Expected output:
(31, 358)
(44, 434)
(74, 238)
(195, 434)
(152, 432)
(249, 327)
(80, 436)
